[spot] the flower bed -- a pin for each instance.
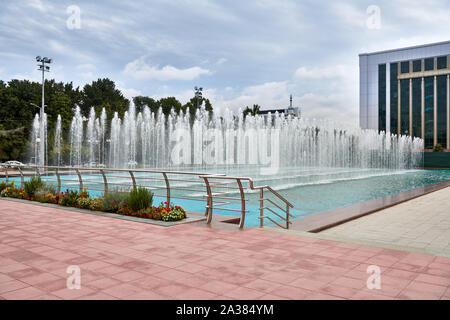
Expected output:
(119, 202)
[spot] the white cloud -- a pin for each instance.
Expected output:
(139, 69)
(37, 4)
(221, 61)
(320, 73)
(128, 93)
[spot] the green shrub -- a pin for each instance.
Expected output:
(69, 198)
(112, 201)
(84, 203)
(139, 198)
(97, 205)
(33, 185)
(4, 185)
(438, 148)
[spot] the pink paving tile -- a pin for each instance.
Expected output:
(195, 294)
(39, 278)
(94, 265)
(426, 287)
(97, 296)
(4, 278)
(128, 276)
(271, 297)
(70, 294)
(103, 283)
(417, 295)
(12, 285)
(218, 287)
(147, 295)
(321, 296)
(122, 290)
(171, 263)
(338, 291)
(171, 290)
(349, 283)
(22, 294)
(362, 295)
(309, 284)
(291, 292)
(242, 293)
(262, 285)
(53, 285)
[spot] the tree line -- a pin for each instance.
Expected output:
(17, 112)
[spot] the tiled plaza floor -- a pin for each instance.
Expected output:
(422, 223)
(127, 260)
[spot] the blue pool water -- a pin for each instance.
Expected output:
(310, 191)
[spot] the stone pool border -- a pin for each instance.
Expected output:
(326, 220)
(190, 219)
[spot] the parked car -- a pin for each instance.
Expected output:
(13, 164)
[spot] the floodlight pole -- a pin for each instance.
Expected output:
(43, 68)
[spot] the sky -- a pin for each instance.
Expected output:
(241, 52)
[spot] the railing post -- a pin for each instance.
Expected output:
(209, 208)
(37, 171)
(261, 207)
(58, 178)
(287, 216)
(79, 179)
(105, 182)
(132, 178)
(167, 188)
(21, 177)
(6, 173)
(241, 191)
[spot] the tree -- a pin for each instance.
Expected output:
(253, 111)
(103, 94)
(141, 102)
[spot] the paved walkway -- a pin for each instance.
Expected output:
(422, 224)
(127, 260)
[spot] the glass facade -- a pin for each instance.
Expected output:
(441, 84)
(417, 65)
(394, 97)
(429, 112)
(404, 107)
(442, 62)
(382, 97)
(404, 67)
(429, 64)
(417, 107)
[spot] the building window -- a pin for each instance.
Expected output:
(429, 64)
(404, 108)
(417, 107)
(441, 83)
(429, 112)
(404, 67)
(394, 97)
(442, 62)
(417, 65)
(382, 97)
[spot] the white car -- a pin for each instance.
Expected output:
(13, 164)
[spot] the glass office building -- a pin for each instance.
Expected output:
(407, 91)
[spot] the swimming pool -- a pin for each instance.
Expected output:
(311, 191)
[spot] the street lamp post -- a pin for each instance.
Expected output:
(43, 68)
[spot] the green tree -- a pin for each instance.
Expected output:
(253, 111)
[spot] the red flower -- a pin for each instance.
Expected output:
(114, 203)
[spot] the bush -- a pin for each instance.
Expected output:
(438, 148)
(84, 203)
(112, 201)
(48, 198)
(139, 198)
(4, 185)
(96, 205)
(33, 185)
(69, 198)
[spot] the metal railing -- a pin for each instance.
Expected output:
(223, 195)
(169, 182)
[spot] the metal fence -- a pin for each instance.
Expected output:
(220, 189)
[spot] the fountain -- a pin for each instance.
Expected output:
(147, 139)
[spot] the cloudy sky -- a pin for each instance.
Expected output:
(241, 52)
